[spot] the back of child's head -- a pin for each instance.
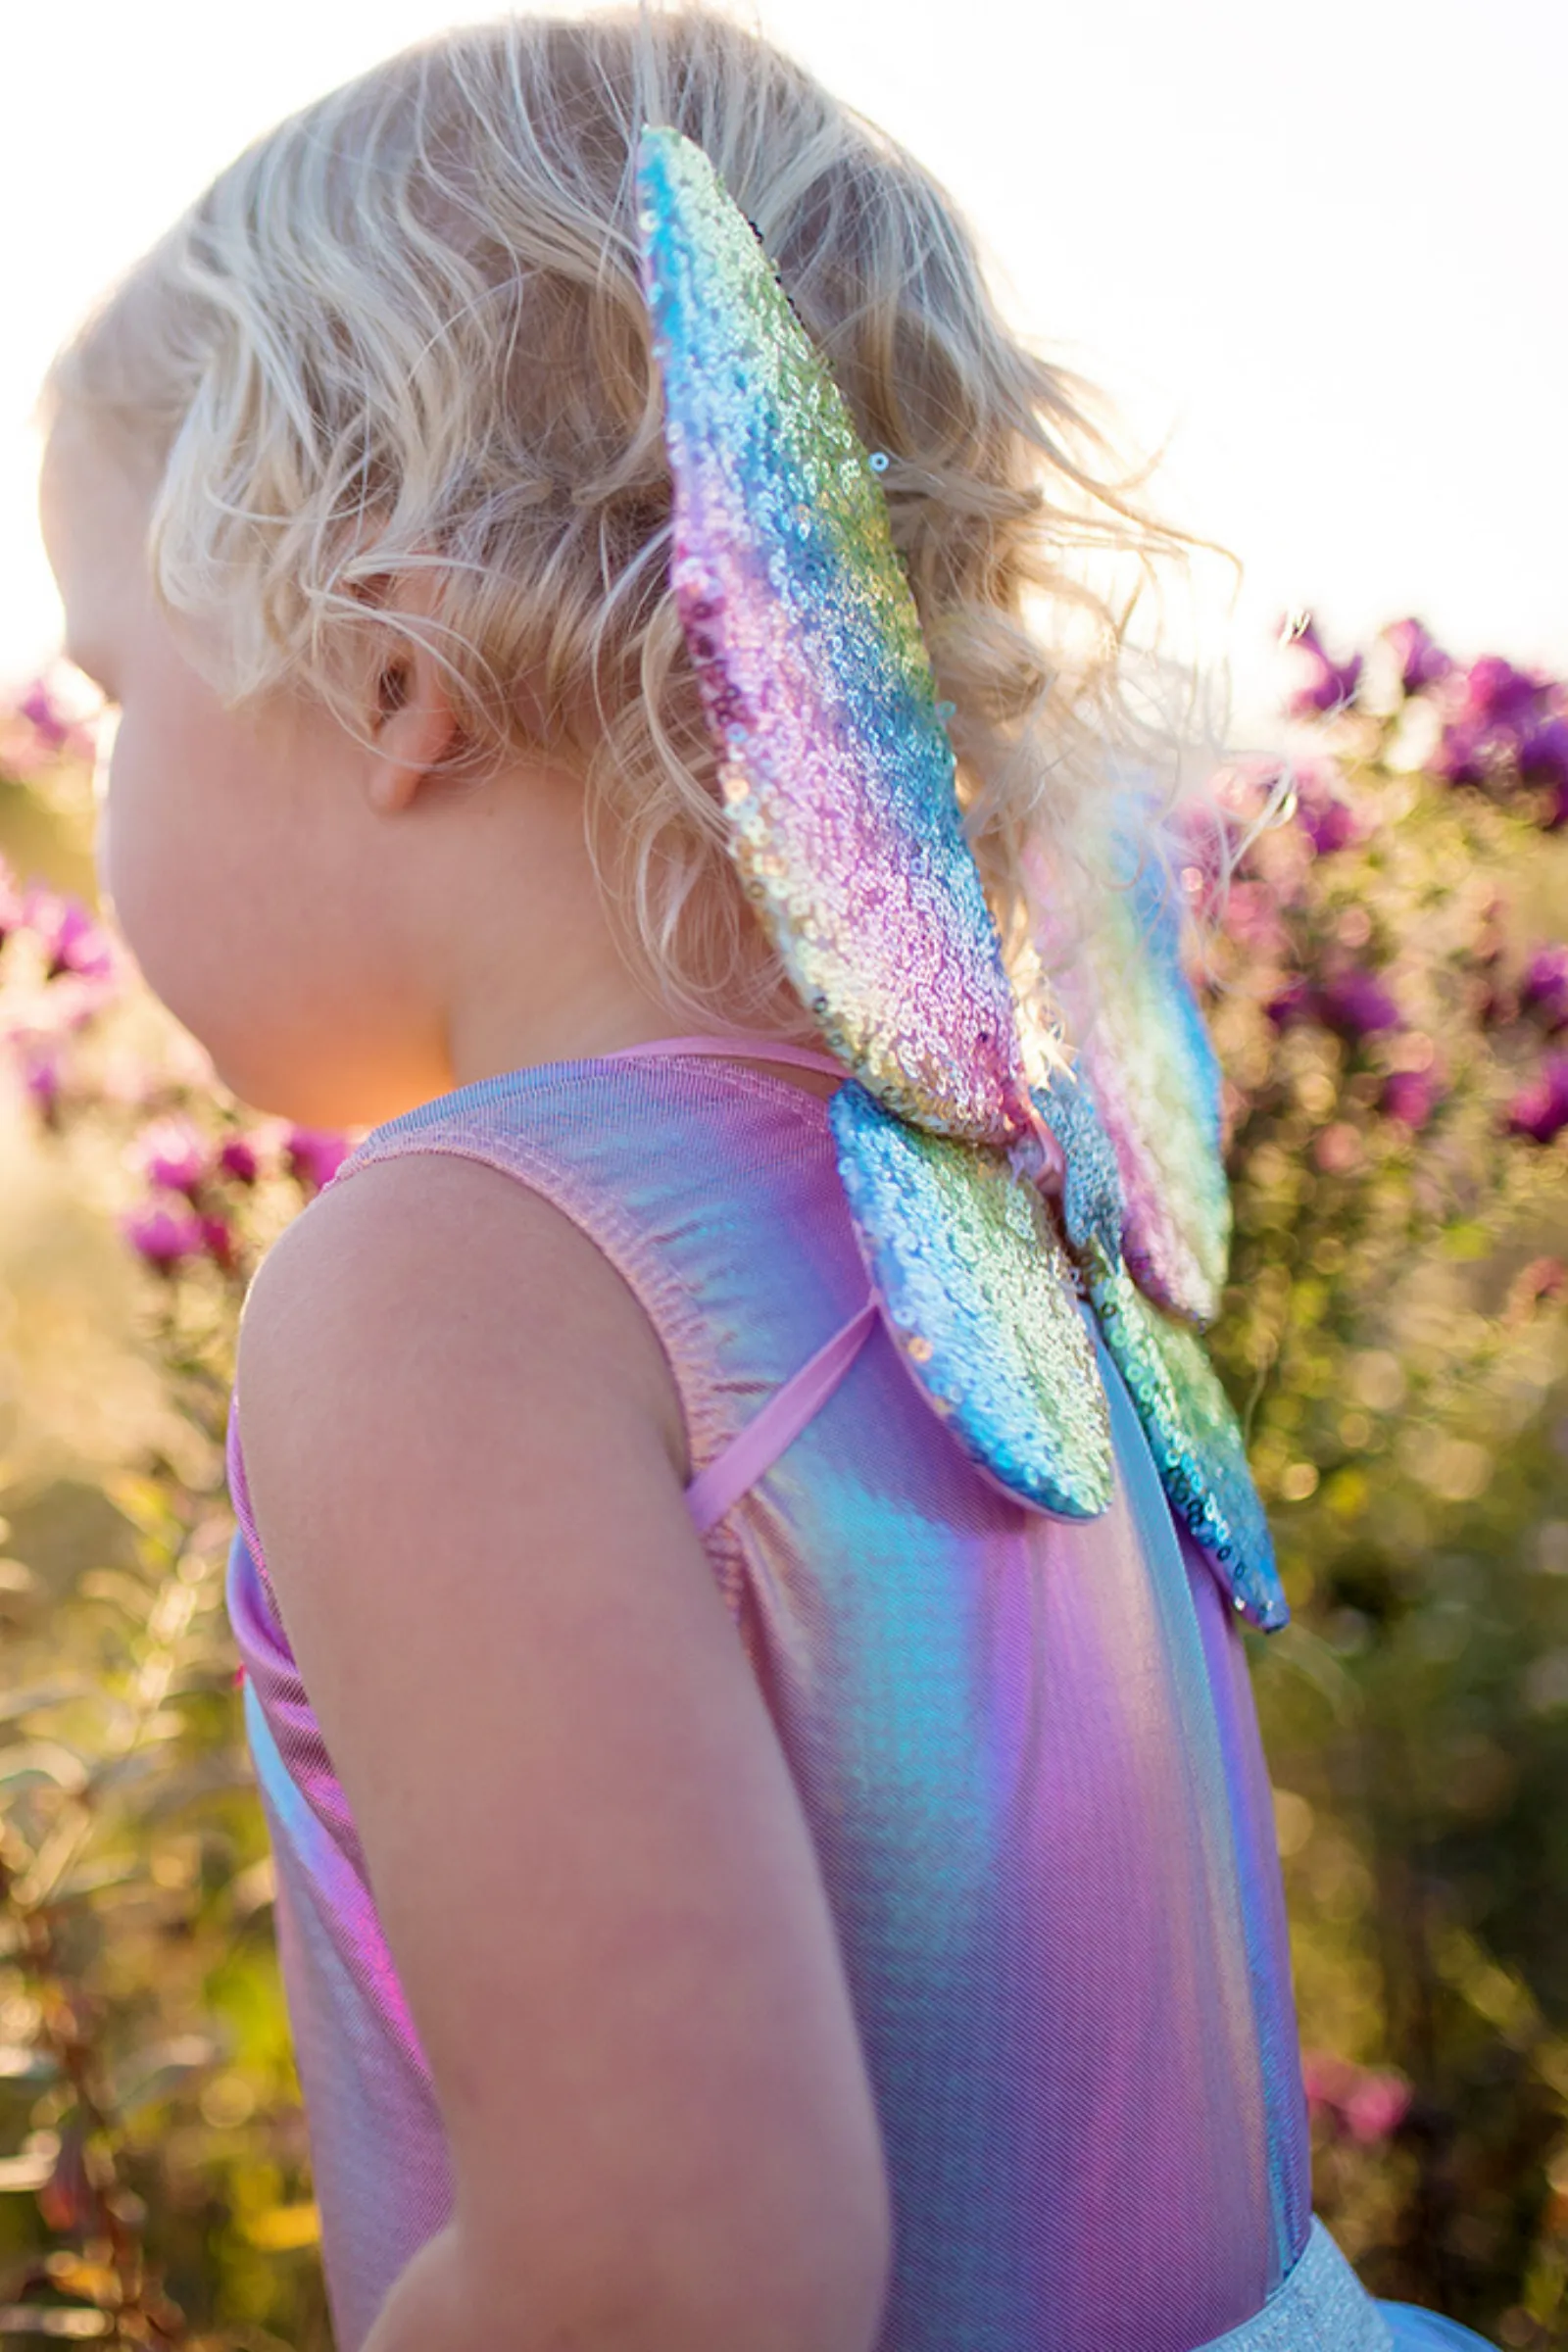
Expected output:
(403, 332)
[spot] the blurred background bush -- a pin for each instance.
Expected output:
(1381, 940)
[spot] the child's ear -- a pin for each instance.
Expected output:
(408, 714)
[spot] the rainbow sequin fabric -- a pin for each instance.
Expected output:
(1147, 1054)
(966, 1157)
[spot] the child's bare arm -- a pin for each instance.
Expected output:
(466, 1457)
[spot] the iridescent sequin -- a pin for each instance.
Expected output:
(978, 1292)
(1192, 1433)
(1195, 1438)
(965, 1138)
(1091, 1195)
(1157, 1079)
(837, 775)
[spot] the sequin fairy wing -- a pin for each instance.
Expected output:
(838, 781)
(977, 1291)
(1196, 1439)
(1188, 1421)
(837, 775)
(1146, 1049)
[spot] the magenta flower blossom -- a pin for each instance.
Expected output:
(45, 717)
(173, 1155)
(1543, 754)
(1499, 697)
(238, 1158)
(73, 941)
(164, 1237)
(1290, 1003)
(1369, 2104)
(314, 1155)
(1422, 660)
(41, 1075)
(1457, 758)
(1375, 2106)
(1326, 685)
(1329, 824)
(1409, 1097)
(217, 1239)
(1544, 990)
(1541, 1108)
(1356, 1004)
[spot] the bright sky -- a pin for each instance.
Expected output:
(1323, 249)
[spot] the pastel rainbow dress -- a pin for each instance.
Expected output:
(973, 1498)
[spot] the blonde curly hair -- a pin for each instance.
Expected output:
(403, 333)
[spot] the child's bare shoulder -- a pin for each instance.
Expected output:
(446, 1254)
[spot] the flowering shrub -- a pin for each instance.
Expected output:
(148, 2097)
(1386, 978)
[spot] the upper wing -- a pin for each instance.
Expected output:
(837, 774)
(1146, 1051)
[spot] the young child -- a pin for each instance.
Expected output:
(737, 1580)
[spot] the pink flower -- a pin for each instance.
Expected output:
(219, 1239)
(1544, 990)
(73, 941)
(1325, 686)
(165, 1238)
(238, 1158)
(1458, 759)
(44, 717)
(1290, 1003)
(1500, 696)
(1543, 755)
(173, 1155)
(314, 1155)
(1541, 1108)
(1409, 1096)
(1422, 660)
(1356, 1004)
(1375, 2106)
(1328, 825)
(42, 1076)
(1370, 2104)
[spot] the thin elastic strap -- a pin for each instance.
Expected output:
(757, 1447)
(787, 1411)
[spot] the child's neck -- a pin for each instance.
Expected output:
(488, 1046)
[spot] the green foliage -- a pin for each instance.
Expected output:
(1378, 981)
(155, 2182)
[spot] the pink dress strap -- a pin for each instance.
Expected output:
(757, 1447)
(743, 1045)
